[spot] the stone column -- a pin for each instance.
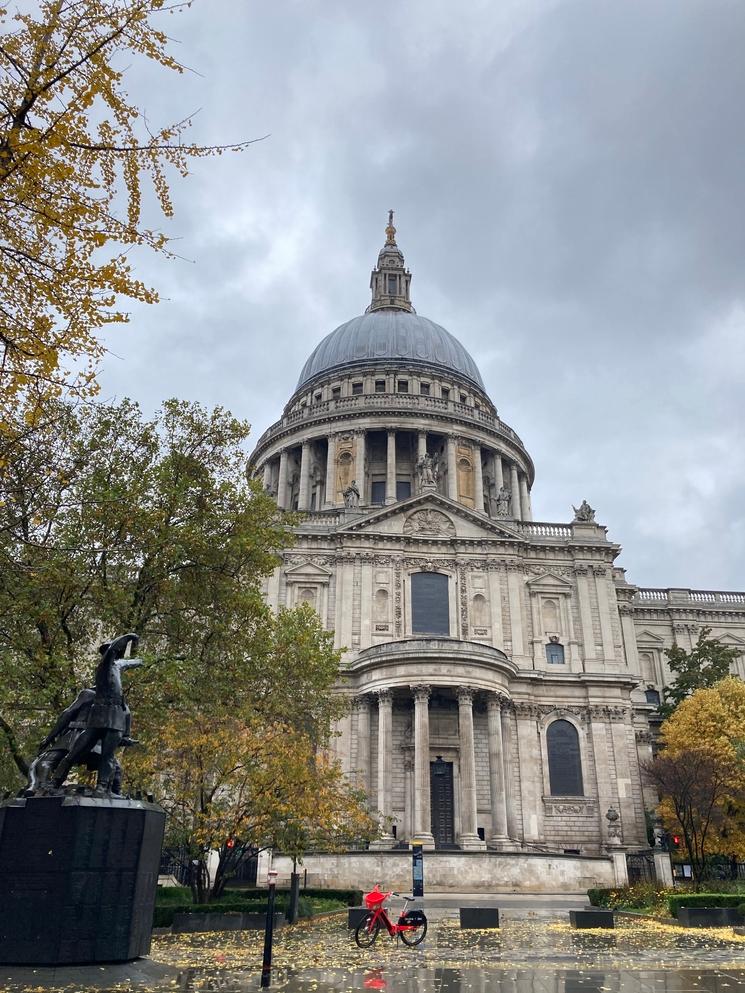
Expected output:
(422, 799)
(498, 473)
(362, 707)
(385, 766)
(469, 839)
(390, 478)
(524, 499)
(359, 465)
(330, 495)
(421, 445)
(452, 469)
(478, 480)
(499, 838)
(267, 482)
(515, 493)
(282, 481)
(303, 502)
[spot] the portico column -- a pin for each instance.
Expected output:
(385, 765)
(267, 474)
(422, 799)
(499, 838)
(303, 502)
(390, 478)
(469, 839)
(282, 481)
(359, 465)
(421, 445)
(452, 470)
(498, 473)
(524, 499)
(515, 493)
(478, 480)
(362, 708)
(330, 495)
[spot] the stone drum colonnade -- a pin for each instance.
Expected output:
(388, 761)
(299, 458)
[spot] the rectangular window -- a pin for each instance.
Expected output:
(380, 386)
(317, 397)
(392, 285)
(445, 393)
(356, 389)
(403, 386)
(403, 489)
(429, 603)
(424, 389)
(377, 491)
(463, 398)
(336, 393)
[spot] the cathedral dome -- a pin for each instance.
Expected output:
(390, 336)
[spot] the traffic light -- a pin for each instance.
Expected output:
(676, 841)
(230, 843)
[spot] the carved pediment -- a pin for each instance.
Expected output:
(431, 515)
(307, 572)
(648, 638)
(549, 582)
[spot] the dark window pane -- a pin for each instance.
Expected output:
(392, 285)
(336, 393)
(424, 389)
(653, 697)
(430, 612)
(403, 489)
(555, 654)
(377, 491)
(356, 389)
(403, 386)
(380, 386)
(445, 393)
(564, 763)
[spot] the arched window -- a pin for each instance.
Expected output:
(430, 608)
(555, 653)
(564, 762)
(381, 605)
(478, 604)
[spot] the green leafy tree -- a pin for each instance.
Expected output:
(707, 662)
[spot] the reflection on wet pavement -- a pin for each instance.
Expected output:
(524, 956)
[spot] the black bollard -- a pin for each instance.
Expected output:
(266, 965)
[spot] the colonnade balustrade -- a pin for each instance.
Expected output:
(508, 496)
(419, 817)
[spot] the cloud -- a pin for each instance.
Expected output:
(569, 181)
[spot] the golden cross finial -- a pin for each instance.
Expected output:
(390, 231)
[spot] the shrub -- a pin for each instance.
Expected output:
(639, 896)
(679, 900)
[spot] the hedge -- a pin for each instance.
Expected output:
(703, 900)
(599, 897)
(182, 894)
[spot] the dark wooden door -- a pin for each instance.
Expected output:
(441, 791)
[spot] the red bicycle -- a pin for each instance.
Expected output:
(411, 925)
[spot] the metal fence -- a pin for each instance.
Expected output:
(640, 867)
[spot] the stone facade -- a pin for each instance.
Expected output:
(511, 658)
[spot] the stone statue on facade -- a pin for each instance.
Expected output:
(427, 471)
(503, 501)
(352, 496)
(584, 513)
(91, 729)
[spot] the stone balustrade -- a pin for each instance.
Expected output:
(681, 597)
(393, 403)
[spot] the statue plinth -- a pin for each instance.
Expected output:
(78, 877)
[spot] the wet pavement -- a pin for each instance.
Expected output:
(528, 954)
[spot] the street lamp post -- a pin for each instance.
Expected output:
(266, 965)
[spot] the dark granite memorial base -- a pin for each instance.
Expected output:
(479, 917)
(709, 916)
(597, 917)
(78, 876)
(355, 916)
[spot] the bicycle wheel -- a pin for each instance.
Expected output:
(367, 932)
(418, 924)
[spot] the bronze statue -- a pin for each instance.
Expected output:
(90, 730)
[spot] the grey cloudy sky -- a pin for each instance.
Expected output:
(569, 182)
